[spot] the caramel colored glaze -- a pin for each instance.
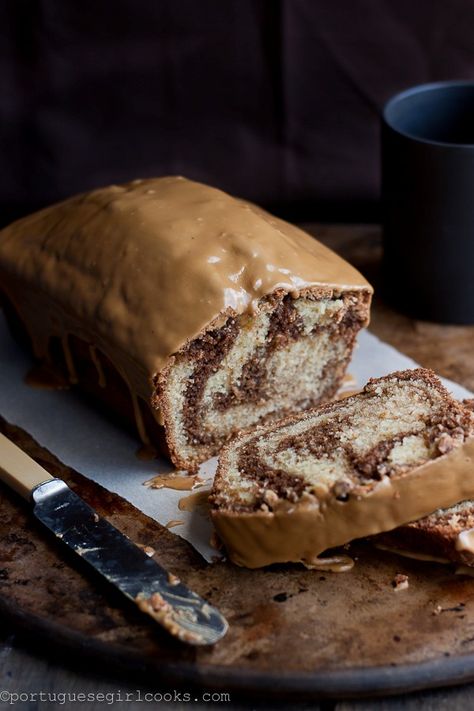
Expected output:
(45, 378)
(173, 523)
(139, 422)
(215, 542)
(68, 359)
(306, 529)
(178, 482)
(194, 501)
(405, 553)
(335, 564)
(139, 269)
(146, 453)
(98, 366)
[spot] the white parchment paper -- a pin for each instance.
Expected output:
(86, 441)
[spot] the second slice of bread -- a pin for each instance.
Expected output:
(445, 536)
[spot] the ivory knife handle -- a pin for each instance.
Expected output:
(19, 470)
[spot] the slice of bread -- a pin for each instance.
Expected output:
(446, 535)
(395, 452)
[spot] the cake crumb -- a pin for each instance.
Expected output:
(400, 582)
(469, 403)
(173, 579)
(445, 443)
(148, 550)
(171, 618)
(270, 497)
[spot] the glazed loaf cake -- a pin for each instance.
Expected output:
(180, 306)
(397, 451)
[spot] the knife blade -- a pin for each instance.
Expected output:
(160, 594)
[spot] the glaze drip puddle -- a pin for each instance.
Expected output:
(197, 501)
(44, 378)
(179, 482)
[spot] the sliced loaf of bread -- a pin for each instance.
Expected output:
(182, 310)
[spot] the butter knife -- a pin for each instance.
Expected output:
(181, 612)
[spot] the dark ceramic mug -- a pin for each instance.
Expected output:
(428, 201)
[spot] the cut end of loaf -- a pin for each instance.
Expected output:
(288, 356)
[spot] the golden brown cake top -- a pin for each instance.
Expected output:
(150, 263)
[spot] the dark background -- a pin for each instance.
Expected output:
(277, 101)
